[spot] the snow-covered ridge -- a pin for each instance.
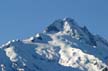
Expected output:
(63, 46)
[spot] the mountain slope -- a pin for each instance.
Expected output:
(62, 46)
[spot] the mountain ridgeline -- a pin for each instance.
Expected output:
(62, 46)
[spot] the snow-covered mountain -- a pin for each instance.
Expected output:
(62, 46)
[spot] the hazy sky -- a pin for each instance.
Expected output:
(23, 18)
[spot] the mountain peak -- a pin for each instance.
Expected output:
(70, 20)
(69, 48)
(60, 25)
(69, 26)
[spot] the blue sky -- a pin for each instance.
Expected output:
(23, 18)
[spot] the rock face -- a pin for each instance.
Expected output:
(63, 46)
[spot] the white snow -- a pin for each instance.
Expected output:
(11, 54)
(69, 49)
